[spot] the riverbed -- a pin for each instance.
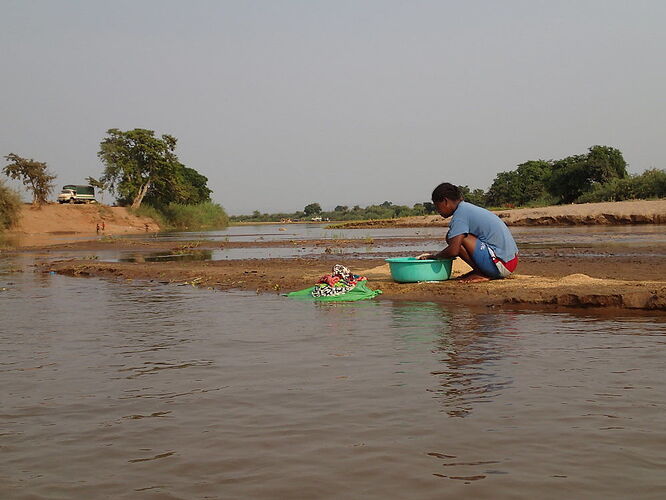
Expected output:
(139, 389)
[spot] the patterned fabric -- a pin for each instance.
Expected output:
(340, 281)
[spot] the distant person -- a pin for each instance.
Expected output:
(97, 228)
(476, 235)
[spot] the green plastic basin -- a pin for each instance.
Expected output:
(412, 270)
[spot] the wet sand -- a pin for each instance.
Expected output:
(604, 276)
(608, 274)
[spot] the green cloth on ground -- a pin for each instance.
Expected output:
(359, 292)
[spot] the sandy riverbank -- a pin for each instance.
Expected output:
(51, 223)
(562, 276)
(609, 275)
(620, 212)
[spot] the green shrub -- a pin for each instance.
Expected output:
(649, 184)
(205, 215)
(10, 207)
(150, 212)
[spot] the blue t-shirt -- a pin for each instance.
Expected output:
(486, 226)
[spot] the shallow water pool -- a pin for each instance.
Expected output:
(130, 390)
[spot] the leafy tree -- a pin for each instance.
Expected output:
(34, 175)
(649, 184)
(140, 165)
(418, 209)
(341, 208)
(312, 209)
(186, 187)
(533, 178)
(386, 204)
(606, 163)
(477, 196)
(520, 186)
(97, 184)
(575, 175)
(504, 189)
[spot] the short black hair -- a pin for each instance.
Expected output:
(446, 190)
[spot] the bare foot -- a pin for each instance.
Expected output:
(473, 277)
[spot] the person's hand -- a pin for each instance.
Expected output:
(425, 256)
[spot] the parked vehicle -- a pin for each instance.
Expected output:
(77, 194)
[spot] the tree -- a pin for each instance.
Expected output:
(97, 184)
(533, 177)
(312, 209)
(520, 186)
(477, 196)
(34, 175)
(341, 208)
(606, 163)
(504, 189)
(186, 187)
(136, 161)
(575, 175)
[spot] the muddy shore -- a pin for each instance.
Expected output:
(562, 276)
(607, 274)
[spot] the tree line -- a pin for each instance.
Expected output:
(139, 168)
(598, 175)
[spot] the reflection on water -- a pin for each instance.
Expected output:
(259, 253)
(380, 242)
(181, 256)
(525, 235)
(115, 390)
(286, 232)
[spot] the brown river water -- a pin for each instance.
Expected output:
(142, 391)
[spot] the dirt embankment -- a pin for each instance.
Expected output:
(37, 225)
(620, 212)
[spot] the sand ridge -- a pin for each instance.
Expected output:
(607, 213)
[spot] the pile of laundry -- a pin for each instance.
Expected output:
(341, 284)
(340, 281)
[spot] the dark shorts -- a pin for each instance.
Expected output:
(489, 264)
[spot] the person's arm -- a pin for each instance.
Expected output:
(450, 252)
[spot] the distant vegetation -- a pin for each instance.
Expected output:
(10, 207)
(140, 170)
(34, 175)
(386, 210)
(598, 175)
(649, 184)
(143, 171)
(197, 217)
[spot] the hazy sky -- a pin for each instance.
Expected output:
(281, 103)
